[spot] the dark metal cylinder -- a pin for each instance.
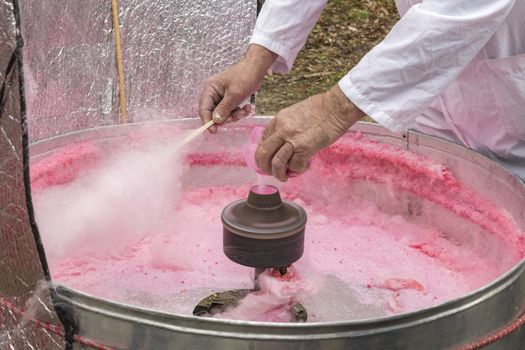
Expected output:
(263, 231)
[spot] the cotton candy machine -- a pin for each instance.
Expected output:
(399, 252)
(467, 217)
(262, 232)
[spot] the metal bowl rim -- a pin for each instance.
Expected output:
(450, 306)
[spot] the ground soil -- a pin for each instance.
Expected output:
(346, 31)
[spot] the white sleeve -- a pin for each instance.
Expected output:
(424, 52)
(283, 27)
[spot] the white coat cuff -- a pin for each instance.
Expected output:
(369, 107)
(283, 63)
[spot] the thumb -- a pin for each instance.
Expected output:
(228, 103)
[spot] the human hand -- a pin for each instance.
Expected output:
(222, 94)
(250, 148)
(296, 133)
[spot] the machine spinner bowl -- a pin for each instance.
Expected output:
(454, 324)
(263, 231)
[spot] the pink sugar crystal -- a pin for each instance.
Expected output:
(383, 260)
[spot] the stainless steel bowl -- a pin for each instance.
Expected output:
(451, 325)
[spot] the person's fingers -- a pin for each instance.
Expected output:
(269, 130)
(208, 100)
(229, 102)
(205, 116)
(240, 113)
(299, 163)
(266, 151)
(280, 161)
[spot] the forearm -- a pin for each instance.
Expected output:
(340, 109)
(259, 57)
(425, 51)
(283, 26)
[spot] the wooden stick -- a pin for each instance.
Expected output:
(122, 92)
(196, 133)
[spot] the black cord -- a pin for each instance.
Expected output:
(260, 3)
(8, 70)
(62, 311)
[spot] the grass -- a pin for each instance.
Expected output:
(346, 31)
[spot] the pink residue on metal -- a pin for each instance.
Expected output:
(264, 189)
(249, 157)
(355, 253)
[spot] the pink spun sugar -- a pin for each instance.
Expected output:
(158, 243)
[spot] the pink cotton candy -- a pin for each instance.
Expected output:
(249, 157)
(263, 189)
(361, 260)
(250, 149)
(74, 159)
(275, 298)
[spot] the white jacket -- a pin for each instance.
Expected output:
(452, 68)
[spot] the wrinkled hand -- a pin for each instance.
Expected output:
(222, 94)
(296, 133)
